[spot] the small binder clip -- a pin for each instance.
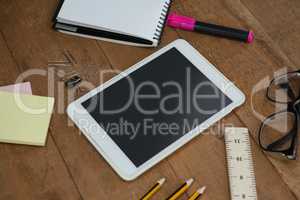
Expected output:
(73, 81)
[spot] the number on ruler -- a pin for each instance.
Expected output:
(239, 158)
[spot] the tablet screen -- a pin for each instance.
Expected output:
(156, 105)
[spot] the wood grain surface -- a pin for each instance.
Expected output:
(69, 167)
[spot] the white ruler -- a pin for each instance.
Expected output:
(240, 164)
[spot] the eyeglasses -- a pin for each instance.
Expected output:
(278, 132)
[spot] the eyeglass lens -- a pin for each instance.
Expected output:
(276, 133)
(285, 88)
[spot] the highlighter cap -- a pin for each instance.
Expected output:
(181, 22)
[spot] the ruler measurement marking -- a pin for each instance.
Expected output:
(240, 164)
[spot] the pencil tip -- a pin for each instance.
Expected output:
(162, 181)
(201, 190)
(190, 181)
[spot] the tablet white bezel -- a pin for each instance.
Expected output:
(111, 151)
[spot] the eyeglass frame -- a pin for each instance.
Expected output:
(292, 107)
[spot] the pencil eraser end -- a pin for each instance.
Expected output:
(250, 37)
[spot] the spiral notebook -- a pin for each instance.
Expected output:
(133, 22)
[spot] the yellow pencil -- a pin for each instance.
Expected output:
(154, 189)
(180, 191)
(197, 194)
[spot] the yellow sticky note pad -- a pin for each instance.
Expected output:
(24, 119)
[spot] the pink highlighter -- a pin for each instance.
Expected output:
(191, 24)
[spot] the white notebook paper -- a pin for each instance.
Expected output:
(140, 19)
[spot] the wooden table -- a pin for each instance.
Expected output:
(69, 168)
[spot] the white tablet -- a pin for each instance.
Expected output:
(147, 112)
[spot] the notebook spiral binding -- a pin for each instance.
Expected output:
(162, 21)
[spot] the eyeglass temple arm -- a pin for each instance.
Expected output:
(290, 92)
